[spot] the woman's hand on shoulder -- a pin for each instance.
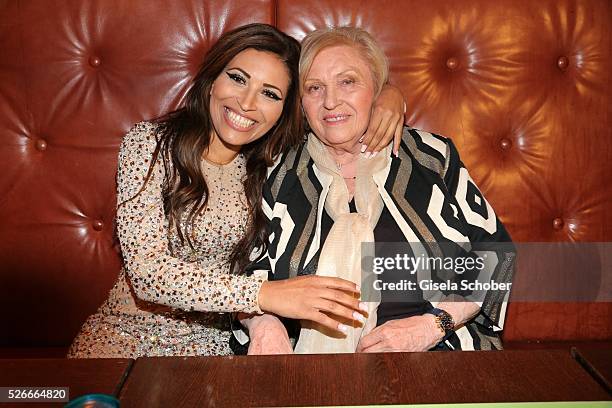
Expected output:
(386, 122)
(324, 300)
(416, 333)
(267, 336)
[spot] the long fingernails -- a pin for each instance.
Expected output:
(361, 139)
(363, 306)
(368, 154)
(374, 155)
(363, 148)
(359, 316)
(358, 288)
(343, 328)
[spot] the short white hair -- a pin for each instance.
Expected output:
(361, 40)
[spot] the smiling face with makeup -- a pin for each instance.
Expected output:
(338, 93)
(246, 100)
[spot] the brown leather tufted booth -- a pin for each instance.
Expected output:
(523, 88)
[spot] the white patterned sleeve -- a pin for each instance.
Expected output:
(485, 232)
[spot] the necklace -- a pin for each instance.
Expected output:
(339, 165)
(214, 163)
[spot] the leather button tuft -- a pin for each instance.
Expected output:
(558, 223)
(505, 143)
(452, 63)
(94, 61)
(98, 225)
(563, 62)
(41, 145)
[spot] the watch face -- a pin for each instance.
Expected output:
(446, 320)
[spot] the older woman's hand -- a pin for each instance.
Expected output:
(416, 333)
(267, 335)
(386, 122)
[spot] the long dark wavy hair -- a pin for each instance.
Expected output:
(184, 135)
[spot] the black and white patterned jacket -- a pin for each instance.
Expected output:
(429, 194)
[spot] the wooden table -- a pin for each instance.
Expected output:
(597, 361)
(104, 376)
(437, 377)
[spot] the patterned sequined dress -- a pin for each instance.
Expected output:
(169, 299)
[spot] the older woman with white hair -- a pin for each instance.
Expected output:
(326, 198)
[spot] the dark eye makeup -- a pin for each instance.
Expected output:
(236, 78)
(240, 79)
(272, 95)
